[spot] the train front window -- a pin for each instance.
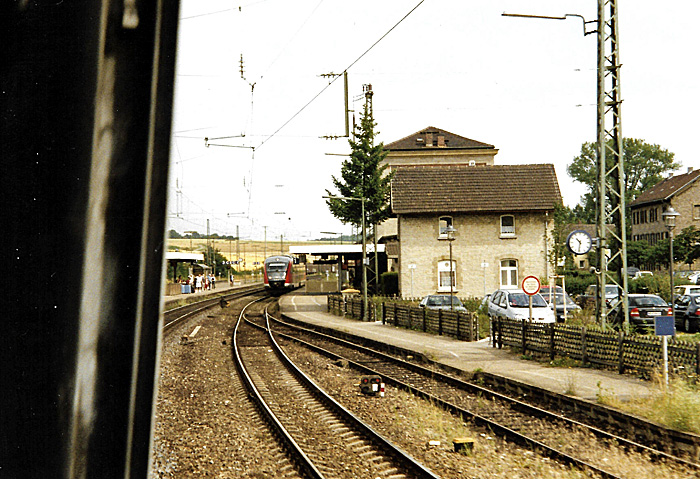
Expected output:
(276, 266)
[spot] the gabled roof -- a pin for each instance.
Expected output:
(665, 189)
(477, 189)
(425, 138)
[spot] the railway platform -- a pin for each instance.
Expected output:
(469, 356)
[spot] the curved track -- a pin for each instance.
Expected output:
(325, 438)
(548, 432)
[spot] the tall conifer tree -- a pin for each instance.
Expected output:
(362, 176)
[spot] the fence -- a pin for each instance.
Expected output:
(609, 349)
(461, 325)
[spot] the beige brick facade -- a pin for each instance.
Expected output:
(477, 241)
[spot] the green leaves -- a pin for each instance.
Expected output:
(362, 176)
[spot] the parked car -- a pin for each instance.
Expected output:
(641, 274)
(588, 298)
(694, 278)
(442, 301)
(546, 290)
(684, 289)
(643, 308)
(631, 271)
(688, 312)
(514, 304)
(558, 300)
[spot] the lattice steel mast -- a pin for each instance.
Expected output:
(611, 225)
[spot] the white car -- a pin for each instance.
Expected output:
(515, 304)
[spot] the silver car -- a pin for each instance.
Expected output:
(515, 304)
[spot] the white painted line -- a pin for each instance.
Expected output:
(194, 333)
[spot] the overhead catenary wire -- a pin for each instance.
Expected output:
(335, 78)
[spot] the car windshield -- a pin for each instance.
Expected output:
(443, 301)
(520, 300)
(647, 301)
(611, 289)
(560, 299)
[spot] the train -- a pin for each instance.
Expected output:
(283, 273)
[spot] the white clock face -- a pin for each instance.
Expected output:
(579, 242)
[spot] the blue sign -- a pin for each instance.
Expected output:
(664, 326)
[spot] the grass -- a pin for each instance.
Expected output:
(676, 406)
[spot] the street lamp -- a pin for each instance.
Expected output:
(364, 251)
(450, 232)
(669, 216)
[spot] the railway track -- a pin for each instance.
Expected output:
(548, 432)
(176, 316)
(324, 439)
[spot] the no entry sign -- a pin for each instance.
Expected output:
(531, 285)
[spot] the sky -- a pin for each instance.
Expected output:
(526, 86)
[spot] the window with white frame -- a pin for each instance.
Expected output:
(444, 222)
(509, 274)
(696, 212)
(444, 275)
(507, 225)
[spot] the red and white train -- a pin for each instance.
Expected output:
(284, 272)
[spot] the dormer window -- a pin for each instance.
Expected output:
(507, 226)
(444, 222)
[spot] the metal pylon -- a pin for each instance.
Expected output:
(610, 215)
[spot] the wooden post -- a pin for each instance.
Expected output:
(384, 313)
(425, 320)
(524, 331)
(458, 316)
(551, 341)
(620, 353)
(439, 322)
(500, 334)
(584, 358)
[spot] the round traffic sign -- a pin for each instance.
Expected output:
(531, 285)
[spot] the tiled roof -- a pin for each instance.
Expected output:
(429, 138)
(665, 189)
(587, 227)
(465, 189)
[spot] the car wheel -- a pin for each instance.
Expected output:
(689, 326)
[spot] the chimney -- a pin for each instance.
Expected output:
(690, 169)
(441, 141)
(428, 139)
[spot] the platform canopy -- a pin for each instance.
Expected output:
(184, 257)
(333, 249)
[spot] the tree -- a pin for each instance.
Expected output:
(645, 165)
(686, 245)
(362, 176)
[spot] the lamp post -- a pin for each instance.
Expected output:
(364, 251)
(669, 216)
(450, 231)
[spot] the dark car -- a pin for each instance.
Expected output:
(588, 298)
(442, 301)
(643, 308)
(558, 300)
(688, 312)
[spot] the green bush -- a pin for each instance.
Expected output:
(389, 283)
(578, 281)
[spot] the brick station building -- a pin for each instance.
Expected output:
(502, 216)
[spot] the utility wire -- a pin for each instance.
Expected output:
(335, 78)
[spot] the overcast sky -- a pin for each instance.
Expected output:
(528, 87)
